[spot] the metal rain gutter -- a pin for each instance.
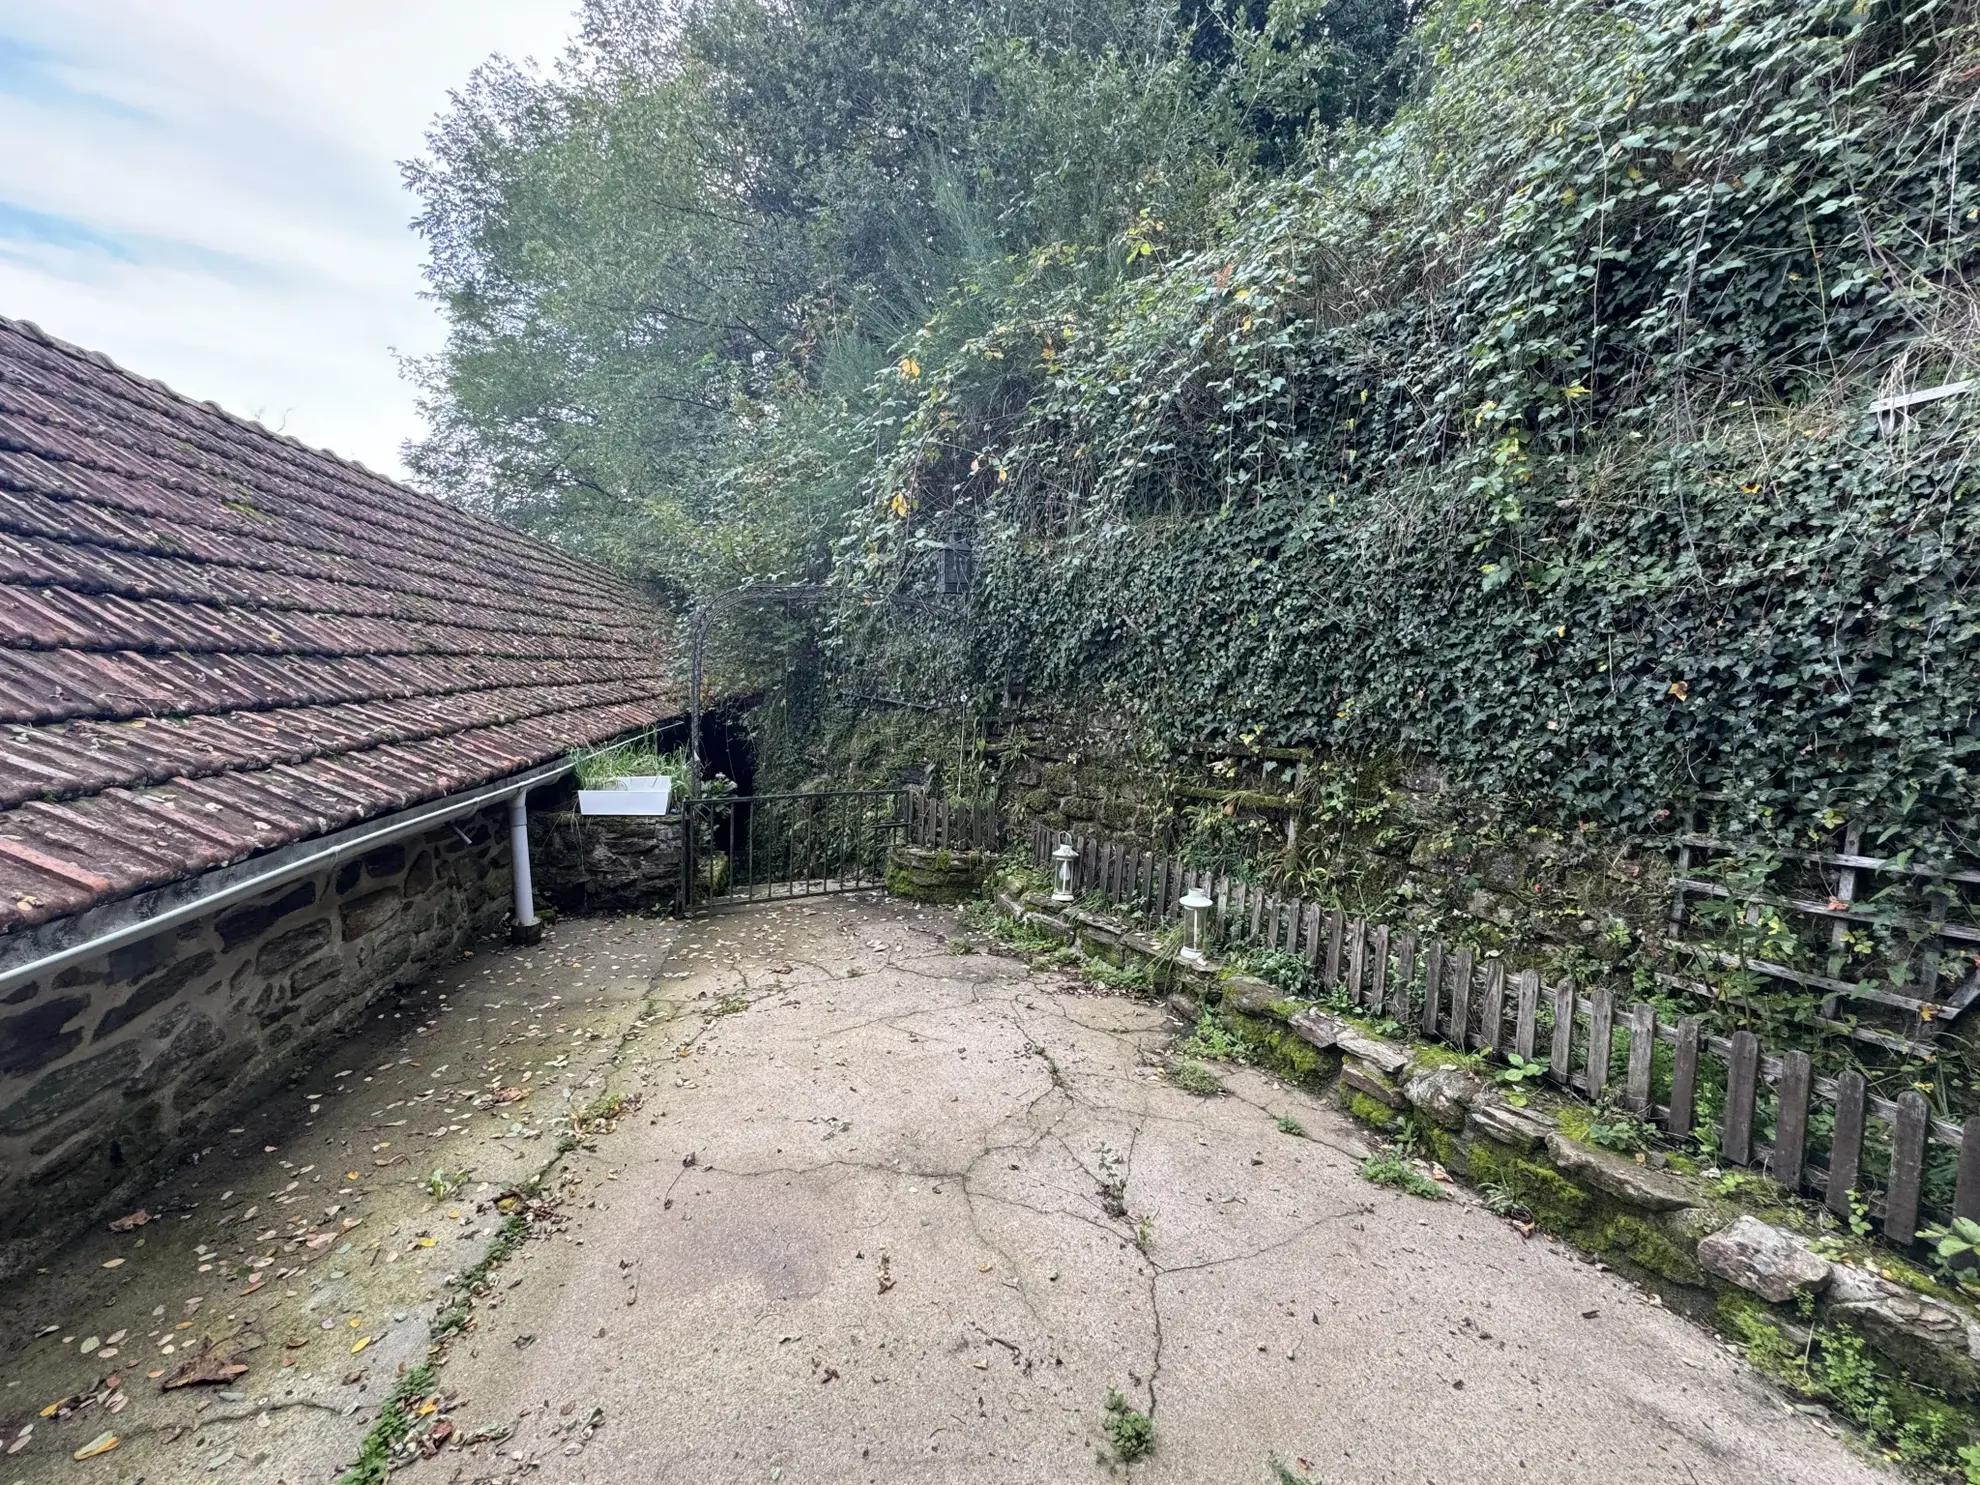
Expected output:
(128, 921)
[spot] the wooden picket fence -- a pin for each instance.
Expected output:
(952, 825)
(1449, 995)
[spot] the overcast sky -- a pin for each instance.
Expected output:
(208, 191)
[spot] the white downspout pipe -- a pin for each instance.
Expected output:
(525, 929)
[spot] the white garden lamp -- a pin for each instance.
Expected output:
(1195, 903)
(1065, 855)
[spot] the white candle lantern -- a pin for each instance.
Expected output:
(1195, 903)
(1065, 855)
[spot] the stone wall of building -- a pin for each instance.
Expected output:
(115, 1066)
(605, 863)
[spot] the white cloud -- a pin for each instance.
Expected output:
(208, 192)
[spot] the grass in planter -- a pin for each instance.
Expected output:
(628, 760)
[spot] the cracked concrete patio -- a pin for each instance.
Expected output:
(888, 1211)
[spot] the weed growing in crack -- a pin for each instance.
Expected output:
(1144, 1233)
(961, 946)
(1194, 1077)
(1393, 1170)
(1113, 1183)
(729, 1005)
(1285, 1474)
(374, 1462)
(1131, 1432)
(460, 1309)
(444, 1183)
(1505, 1199)
(1289, 1125)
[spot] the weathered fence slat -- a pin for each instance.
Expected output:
(1642, 1057)
(1742, 1084)
(1846, 1144)
(1404, 984)
(1356, 956)
(1378, 959)
(1966, 1194)
(1461, 1001)
(1492, 1028)
(1433, 985)
(1527, 1012)
(1791, 1123)
(1684, 1079)
(1560, 1054)
(1914, 1116)
(1336, 925)
(1601, 1035)
(1310, 937)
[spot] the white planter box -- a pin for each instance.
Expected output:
(648, 795)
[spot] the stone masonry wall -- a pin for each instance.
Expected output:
(605, 863)
(1074, 772)
(115, 1066)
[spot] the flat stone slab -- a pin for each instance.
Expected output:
(1252, 996)
(1523, 1129)
(1317, 1028)
(1373, 1085)
(1763, 1260)
(1620, 1177)
(1386, 1058)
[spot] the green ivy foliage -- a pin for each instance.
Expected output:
(1529, 433)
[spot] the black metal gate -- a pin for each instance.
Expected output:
(752, 847)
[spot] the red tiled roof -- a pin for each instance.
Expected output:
(214, 641)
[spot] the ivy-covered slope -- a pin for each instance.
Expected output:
(1530, 434)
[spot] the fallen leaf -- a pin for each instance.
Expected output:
(205, 1366)
(359, 1344)
(135, 1219)
(115, 1263)
(510, 1095)
(103, 1443)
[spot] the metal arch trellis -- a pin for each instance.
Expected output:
(704, 619)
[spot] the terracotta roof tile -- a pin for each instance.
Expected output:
(214, 641)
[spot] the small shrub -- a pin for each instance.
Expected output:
(1280, 967)
(1212, 1039)
(1616, 1128)
(1517, 1074)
